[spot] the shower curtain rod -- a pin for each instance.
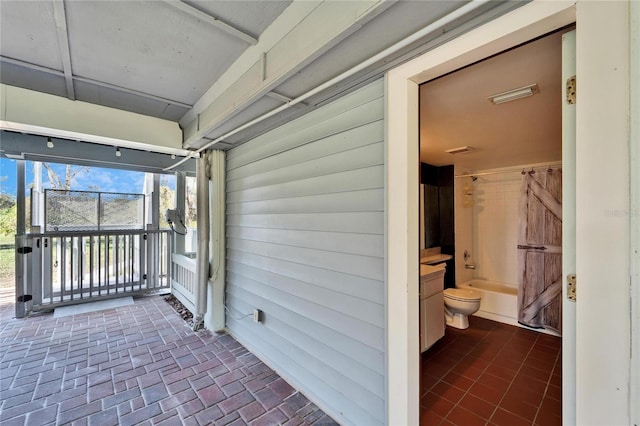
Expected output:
(515, 169)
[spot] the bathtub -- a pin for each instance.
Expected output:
(499, 301)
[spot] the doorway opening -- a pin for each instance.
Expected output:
(491, 184)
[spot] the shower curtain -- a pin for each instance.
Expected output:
(540, 250)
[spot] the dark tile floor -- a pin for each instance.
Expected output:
(139, 364)
(492, 374)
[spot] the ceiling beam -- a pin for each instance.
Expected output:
(213, 21)
(70, 151)
(302, 33)
(13, 127)
(59, 73)
(31, 66)
(39, 113)
(63, 44)
(132, 92)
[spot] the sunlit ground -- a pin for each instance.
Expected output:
(7, 261)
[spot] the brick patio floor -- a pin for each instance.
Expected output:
(139, 364)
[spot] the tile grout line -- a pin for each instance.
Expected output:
(484, 370)
(475, 380)
(544, 394)
(510, 384)
(495, 409)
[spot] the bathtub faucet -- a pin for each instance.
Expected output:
(467, 255)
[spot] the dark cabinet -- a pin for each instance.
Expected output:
(439, 215)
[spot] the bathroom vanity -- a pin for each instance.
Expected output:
(431, 304)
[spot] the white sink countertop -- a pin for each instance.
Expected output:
(435, 258)
(431, 280)
(430, 271)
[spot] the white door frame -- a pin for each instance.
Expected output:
(402, 159)
(568, 233)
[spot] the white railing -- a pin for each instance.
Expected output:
(76, 267)
(184, 283)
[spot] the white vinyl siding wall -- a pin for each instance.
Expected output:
(305, 244)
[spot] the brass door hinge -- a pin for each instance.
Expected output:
(571, 90)
(571, 287)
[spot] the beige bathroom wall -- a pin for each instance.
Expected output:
(489, 229)
(495, 227)
(463, 228)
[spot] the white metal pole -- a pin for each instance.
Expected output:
(202, 257)
(180, 205)
(20, 240)
(216, 316)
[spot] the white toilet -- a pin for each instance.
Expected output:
(458, 304)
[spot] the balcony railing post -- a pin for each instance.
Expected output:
(114, 263)
(34, 284)
(143, 259)
(20, 261)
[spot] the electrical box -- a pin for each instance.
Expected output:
(173, 216)
(257, 315)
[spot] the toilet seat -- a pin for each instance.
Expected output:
(462, 295)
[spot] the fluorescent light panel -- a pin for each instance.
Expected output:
(459, 150)
(512, 95)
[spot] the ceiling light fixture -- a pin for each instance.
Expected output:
(512, 95)
(50, 143)
(118, 153)
(459, 150)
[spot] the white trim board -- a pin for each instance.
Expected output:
(100, 305)
(603, 218)
(527, 22)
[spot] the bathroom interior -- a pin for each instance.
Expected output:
(490, 239)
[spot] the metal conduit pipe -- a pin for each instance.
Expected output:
(456, 14)
(202, 256)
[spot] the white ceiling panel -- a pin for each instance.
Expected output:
(28, 33)
(455, 111)
(160, 57)
(261, 106)
(372, 38)
(32, 79)
(252, 17)
(149, 46)
(173, 113)
(127, 101)
(167, 52)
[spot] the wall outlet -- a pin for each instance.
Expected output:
(257, 315)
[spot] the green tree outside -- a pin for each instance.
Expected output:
(8, 214)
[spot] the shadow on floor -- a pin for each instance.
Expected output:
(138, 364)
(492, 374)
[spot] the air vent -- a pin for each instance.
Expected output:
(459, 150)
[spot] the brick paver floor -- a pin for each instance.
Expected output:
(139, 364)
